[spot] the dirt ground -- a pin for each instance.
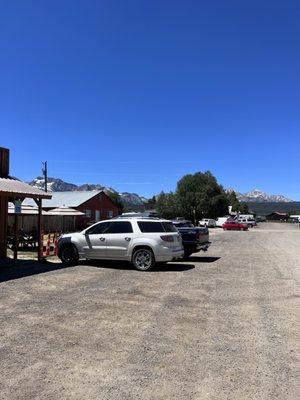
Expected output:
(222, 325)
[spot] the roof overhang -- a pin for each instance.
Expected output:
(13, 188)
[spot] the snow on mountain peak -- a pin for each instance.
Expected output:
(58, 185)
(257, 195)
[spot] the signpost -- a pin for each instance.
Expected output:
(18, 210)
(18, 207)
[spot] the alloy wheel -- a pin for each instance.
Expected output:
(143, 259)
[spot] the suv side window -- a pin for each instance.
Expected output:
(120, 227)
(102, 227)
(156, 227)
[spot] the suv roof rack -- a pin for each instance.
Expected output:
(135, 217)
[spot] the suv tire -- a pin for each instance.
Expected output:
(69, 255)
(143, 259)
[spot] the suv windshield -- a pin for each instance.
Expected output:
(156, 227)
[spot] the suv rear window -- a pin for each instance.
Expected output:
(169, 227)
(156, 227)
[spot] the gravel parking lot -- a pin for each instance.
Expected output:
(222, 325)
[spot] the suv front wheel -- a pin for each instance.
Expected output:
(69, 255)
(143, 259)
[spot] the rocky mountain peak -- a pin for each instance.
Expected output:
(257, 195)
(58, 185)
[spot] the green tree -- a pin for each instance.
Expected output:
(233, 200)
(151, 203)
(244, 208)
(199, 195)
(236, 204)
(167, 205)
(116, 199)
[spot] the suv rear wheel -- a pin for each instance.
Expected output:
(69, 255)
(143, 259)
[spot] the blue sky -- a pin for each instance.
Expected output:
(134, 94)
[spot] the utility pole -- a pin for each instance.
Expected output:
(45, 173)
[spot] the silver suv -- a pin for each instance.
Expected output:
(143, 241)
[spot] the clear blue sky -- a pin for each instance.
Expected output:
(134, 94)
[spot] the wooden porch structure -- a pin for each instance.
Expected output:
(12, 190)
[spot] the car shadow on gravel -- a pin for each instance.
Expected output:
(174, 267)
(203, 259)
(123, 265)
(9, 271)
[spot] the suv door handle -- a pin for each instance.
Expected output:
(127, 239)
(102, 239)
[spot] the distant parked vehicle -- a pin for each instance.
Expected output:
(234, 226)
(246, 216)
(248, 221)
(221, 220)
(194, 238)
(261, 219)
(142, 241)
(210, 223)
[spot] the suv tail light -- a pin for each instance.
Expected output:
(167, 238)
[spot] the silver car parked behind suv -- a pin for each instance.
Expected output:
(142, 241)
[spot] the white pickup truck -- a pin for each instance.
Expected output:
(208, 222)
(221, 220)
(250, 222)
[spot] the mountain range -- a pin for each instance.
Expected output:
(133, 199)
(258, 196)
(58, 185)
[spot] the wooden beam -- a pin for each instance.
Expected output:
(22, 195)
(3, 226)
(4, 162)
(16, 239)
(40, 243)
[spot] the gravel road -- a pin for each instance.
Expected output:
(222, 325)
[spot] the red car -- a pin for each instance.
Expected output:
(234, 226)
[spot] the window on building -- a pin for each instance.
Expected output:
(97, 215)
(109, 214)
(88, 213)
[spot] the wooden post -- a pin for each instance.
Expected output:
(40, 243)
(4, 162)
(4, 172)
(3, 226)
(16, 239)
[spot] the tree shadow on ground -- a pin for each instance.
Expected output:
(9, 270)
